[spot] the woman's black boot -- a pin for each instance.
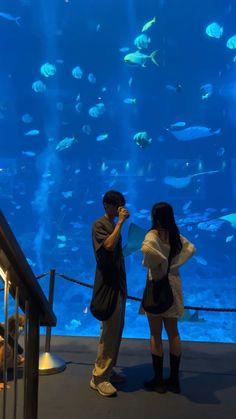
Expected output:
(172, 382)
(157, 382)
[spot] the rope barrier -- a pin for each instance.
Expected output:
(84, 284)
(42, 275)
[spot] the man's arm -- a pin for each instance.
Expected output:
(112, 240)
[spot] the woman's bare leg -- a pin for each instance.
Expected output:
(171, 327)
(155, 324)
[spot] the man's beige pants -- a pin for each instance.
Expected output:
(109, 343)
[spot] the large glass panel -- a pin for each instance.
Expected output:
(129, 95)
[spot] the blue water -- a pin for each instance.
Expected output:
(51, 193)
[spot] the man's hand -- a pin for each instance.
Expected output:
(123, 214)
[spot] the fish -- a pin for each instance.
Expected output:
(142, 139)
(210, 226)
(201, 260)
(97, 110)
(74, 248)
(87, 129)
(179, 124)
(231, 218)
(38, 86)
(183, 182)
(28, 153)
(147, 25)
(48, 70)
(177, 88)
(129, 100)
(74, 324)
(32, 132)
(124, 49)
(104, 167)
(8, 16)
(61, 238)
(142, 41)
(65, 143)
(214, 30)
(78, 107)
(67, 194)
(220, 152)
(206, 91)
(186, 206)
(138, 59)
(91, 78)
(231, 43)
(77, 72)
(193, 133)
(229, 238)
(191, 317)
(102, 137)
(26, 118)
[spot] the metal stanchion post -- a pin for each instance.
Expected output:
(50, 363)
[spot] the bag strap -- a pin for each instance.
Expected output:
(169, 263)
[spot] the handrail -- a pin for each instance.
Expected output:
(20, 281)
(22, 274)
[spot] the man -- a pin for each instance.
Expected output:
(110, 290)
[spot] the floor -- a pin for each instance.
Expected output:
(208, 378)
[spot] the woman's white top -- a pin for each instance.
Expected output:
(155, 258)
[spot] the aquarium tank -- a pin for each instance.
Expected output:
(130, 95)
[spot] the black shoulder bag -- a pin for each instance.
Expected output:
(158, 295)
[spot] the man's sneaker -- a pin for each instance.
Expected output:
(117, 378)
(105, 388)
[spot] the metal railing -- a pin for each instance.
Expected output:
(20, 282)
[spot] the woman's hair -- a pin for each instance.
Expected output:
(114, 197)
(163, 219)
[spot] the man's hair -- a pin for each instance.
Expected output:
(114, 197)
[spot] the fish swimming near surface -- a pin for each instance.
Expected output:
(183, 182)
(193, 133)
(10, 17)
(138, 59)
(147, 25)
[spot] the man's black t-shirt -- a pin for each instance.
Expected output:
(110, 267)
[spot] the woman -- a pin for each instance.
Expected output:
(164, 241)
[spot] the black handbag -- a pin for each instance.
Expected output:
(104, 302)
(158, 295)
